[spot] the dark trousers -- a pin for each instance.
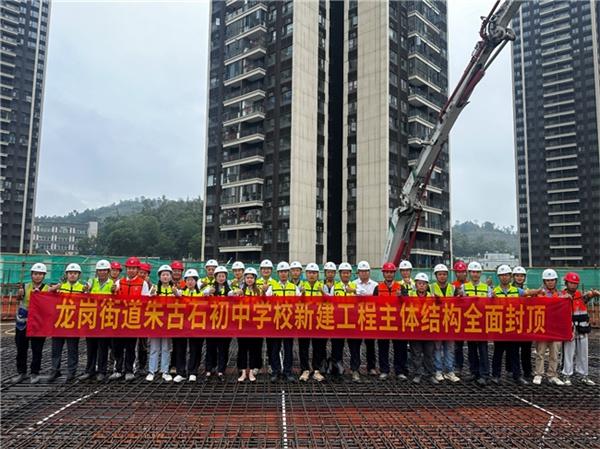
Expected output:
(275, 357)
(479, 363)
(337, 351)
(421, 353)
(512, 353)
(249, 353)
(354, 346)
(142, 354)
(371, 355)
(524, 348)
(72, 353)
(97, 354)
(459, 355)
(37, 345)
(400, 356)
(217, 354)
(319, 348)
(179, 353)
(124, 351)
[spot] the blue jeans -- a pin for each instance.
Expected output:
(443, 357)
(162, 347)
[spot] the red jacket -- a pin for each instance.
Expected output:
(384, 290)
(131, 287)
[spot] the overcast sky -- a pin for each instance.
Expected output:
(125, 108)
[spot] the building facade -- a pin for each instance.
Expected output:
(310, 114)
(23, 50)
(556, 87)
(61, 237)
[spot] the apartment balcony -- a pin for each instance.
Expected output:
(246, 178)
(244, 157)
(251, 71)
(253, 135)
(233, 221)
(419, 98)
(242, 201)
(254, 49)
(419, 77)
(247, 9)
(249, 114)
(252, 92)
(244, 244)
(255, 29)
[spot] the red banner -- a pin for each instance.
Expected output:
(406, 318)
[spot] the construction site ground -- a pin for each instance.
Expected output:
(331, 414)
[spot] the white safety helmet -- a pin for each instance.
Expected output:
(439, 268)
(211, 263)
(474, 266)
(190, 273)
(549, 274)
(329, 266)
(238, 266)
(220, 269)
(39, 268)
(405, 265)
(296, 264)
(165, 268)
(345, 266)
(519, 270)
(312, 267)
(251, 271)
(266, 264)
(73, 267)
(363, 265)
(422, 277)
(103, 265)
(503, 269)
(283, 266)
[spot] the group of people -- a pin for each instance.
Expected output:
(435, 361)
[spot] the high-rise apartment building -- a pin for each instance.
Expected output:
(23, 49)
(317, 109)
(556, 96)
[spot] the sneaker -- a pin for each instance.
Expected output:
(416, 380)
(521, 381)
(373, 372)
(401, 377)
(243, 376)
(587, 381)
(85, 376)
(555, 381)
(304, 376)
(221, 377)
(192, 378)
(274, 378)
(355, 376)
(208, 374)
(53, 376)
(318, 376)
(433, 380)
(567, 380)
(452, 377)
(340, 368)
(482, 381)
(129, 377)
(439, 376)
(115, 376)
(291, 378)
(167, 377)
(19, 379)
(35, 378)
(252, 376)
(255, 371)
(150, 377)
(70, 377)
(537, 380)
(383, 376)
(178, 379)
(496, 380)
(100, 377)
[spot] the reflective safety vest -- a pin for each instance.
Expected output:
(67, 287)
(194, 292)
(221, 290)
(207, 282)
(471, 289)
(442, 292)
(131, 287)
(250, 292)
(407, 285)
(287, 289)
(581, 318)
(235, 283)
(312, 290)
(101, 289)
(271, 282)
(511, 292)
(339, 289)
(23, 309)
(161, 290)
(383, 289)
(414, 294)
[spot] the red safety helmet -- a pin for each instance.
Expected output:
(177, 265)
(459, 265)
(116, 266)
(146, 267)
(572, 277)
(388, 266)
(132, 262)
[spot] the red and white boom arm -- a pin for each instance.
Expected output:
(404, 222)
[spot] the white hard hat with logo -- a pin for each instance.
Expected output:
(312, 267)
(474, 266)
(220, 269)
(73, 267)
(329, 266)
(238, 266)
(39, 268)
(283, 266)
(103, 265)
(266, 264)
(549, 274)
(503, 269)
(440, 267)
(211, 263)
(251, 271)
(363, 265)
(295, 264)
(405, 265)
(191, 273)
(345, 266)
(519, 270)
(165, 268)
(422, 277)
